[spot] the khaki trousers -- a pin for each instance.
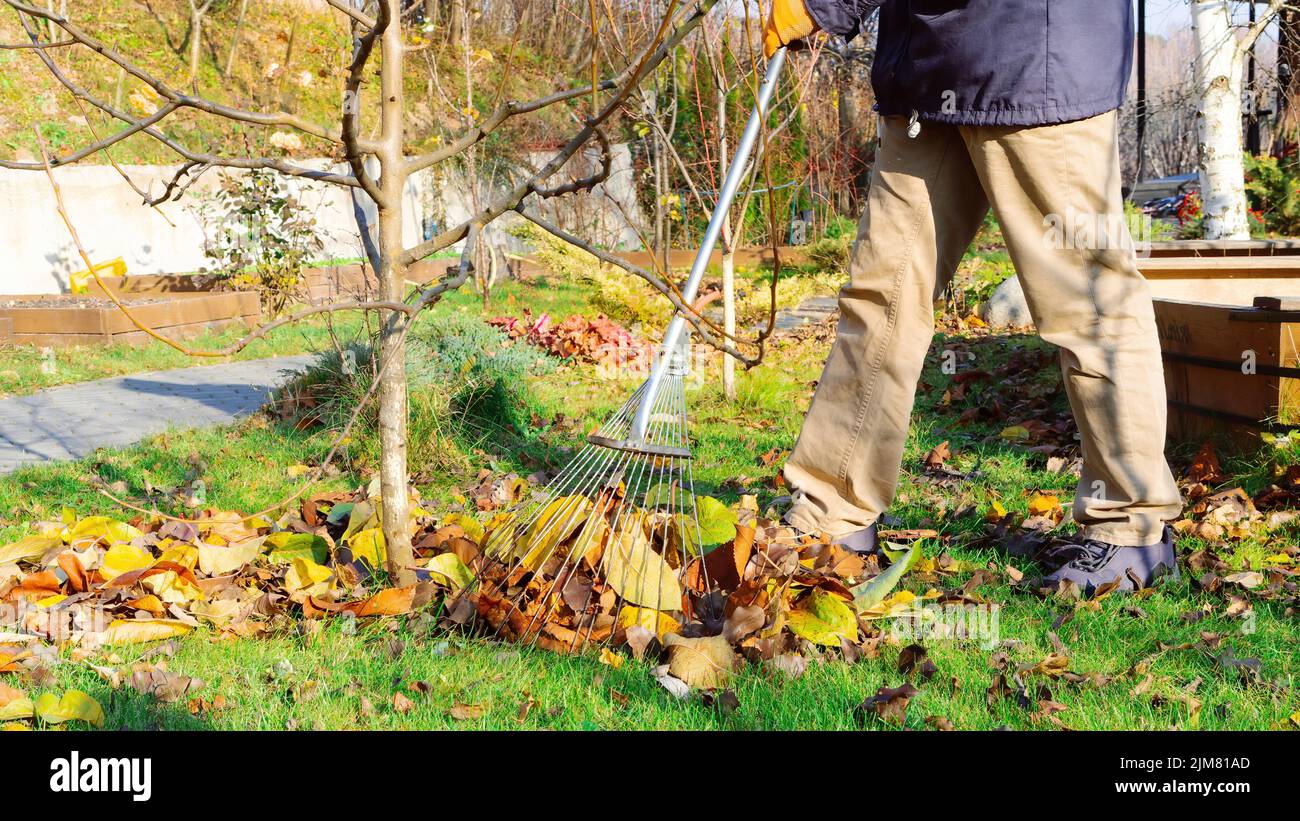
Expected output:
(1056, 193)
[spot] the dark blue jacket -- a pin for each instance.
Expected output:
(993, 62)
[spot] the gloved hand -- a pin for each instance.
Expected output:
(789, 23)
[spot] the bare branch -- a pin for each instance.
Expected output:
(276, 118)
(355, 13)
(352, 105)
(665, 40)
(628, 78)
(144, 126)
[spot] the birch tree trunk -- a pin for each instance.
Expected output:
(392, 347)
(1218, 121)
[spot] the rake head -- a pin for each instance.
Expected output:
(613, 542)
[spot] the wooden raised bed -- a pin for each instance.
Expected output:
(1214, 302)
(325, 283)
(1230, 367)
(6, 331)
(176, 316)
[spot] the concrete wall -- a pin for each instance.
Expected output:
(112, 222)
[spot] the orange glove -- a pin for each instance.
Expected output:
(789, 23)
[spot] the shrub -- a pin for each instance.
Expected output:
(258, 235)
(617, 294)
(1273, 192)
(466, 384)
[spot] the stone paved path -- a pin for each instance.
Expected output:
(813, 309)
(71, 421)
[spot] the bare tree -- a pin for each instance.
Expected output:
(377, 166)
(1220, 57)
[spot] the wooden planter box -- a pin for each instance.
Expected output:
(1230, 368)
(177, 317)
(321, 284)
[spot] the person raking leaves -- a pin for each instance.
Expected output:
(1009, 105)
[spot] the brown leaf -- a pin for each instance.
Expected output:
(889, 704)
(940, 723)
(937, 455)
(402, 704)
(743, 621)
(467, 712)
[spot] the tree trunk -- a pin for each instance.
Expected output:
(196, 41)
(1218, 84)
(234, 39)
(392, 347)
(1288, 94)
(457, 20)
(728, 251)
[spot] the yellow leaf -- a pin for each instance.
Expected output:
(1040, 504)
(473, 530)
(28, 547)
(228, 525)
(73, 706)
(996, 512)
(703, 662)
(285, 546)
(50, 601)
(608, 656)
(13, 726)
(638, 573)
(1279, 559)
(556, 523)
(656, 622)
(368, 545)
(138, 631)
(823, 618)
(215, 560)
(1015, 433)
(294, 471)
(362, 516)
(448, 569)
(149, 603)
(172, 587)
(123, 558)
(220, 612)
(185, 555)
(101, 528)
(308, 577)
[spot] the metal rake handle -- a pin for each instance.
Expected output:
(735, 174)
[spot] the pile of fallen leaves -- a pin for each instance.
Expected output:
(600, 340)
(93, 585)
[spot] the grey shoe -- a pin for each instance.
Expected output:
(1091, 564)
(863, 542)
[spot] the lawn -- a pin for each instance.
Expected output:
(1176, 657)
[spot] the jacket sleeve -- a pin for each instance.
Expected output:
(842, 18)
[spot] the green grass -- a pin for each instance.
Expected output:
(335, 672)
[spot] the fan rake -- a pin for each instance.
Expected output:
(615, 540)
